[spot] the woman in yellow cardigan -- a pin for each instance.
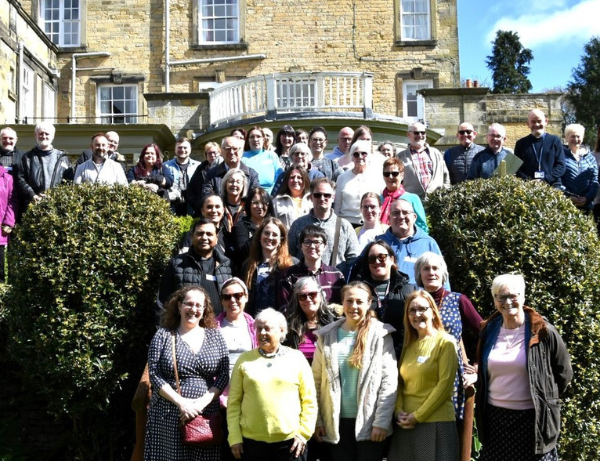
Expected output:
(424, 411)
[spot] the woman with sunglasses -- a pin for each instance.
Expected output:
(389, 287)
(393, 175)
(352, 184)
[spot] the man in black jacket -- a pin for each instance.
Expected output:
(201, 265)
(10, 156)
(43, 167)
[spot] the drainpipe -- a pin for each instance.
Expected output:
(167, 48)
(74, 74)
(19, 76)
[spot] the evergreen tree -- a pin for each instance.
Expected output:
(509, 64)
(583, 91)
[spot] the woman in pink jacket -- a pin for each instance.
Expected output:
(8, 208)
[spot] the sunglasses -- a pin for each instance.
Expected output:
(422, 133)
(237, 296)
(463, 132)
(393, 174)
(304, 296)
(319, 195)
(360, 154)
(381, 257)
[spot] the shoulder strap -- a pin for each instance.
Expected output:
(175, 363)
(336, 241)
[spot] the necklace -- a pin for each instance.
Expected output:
(515, 338)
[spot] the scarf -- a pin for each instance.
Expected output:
(388, 198)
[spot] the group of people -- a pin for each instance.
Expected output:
(310, 306)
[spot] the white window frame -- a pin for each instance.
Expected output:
(27, 96)
(410, 97)
(48, 103)
(62, 24)
(415, 20)
(297, 94)
(216, 18)
(117, 101)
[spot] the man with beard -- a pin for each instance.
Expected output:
(111, 151)
(10, 156)
(99, 168)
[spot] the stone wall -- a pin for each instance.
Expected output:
(447, 108)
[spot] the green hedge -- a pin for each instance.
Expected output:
(489, 227)
(84, 271)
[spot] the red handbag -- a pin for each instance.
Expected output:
(202, 431)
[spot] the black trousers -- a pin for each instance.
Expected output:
(263, 451)
(348, 449)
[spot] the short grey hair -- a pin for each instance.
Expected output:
(514, 281)
(8, 129)
(363, 145)
(574, 128)
(499, 128)
(273, 318)
(430, 257)
(46, 126)
(229, 174)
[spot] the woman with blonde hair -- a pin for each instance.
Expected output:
(424, 409)
(356, 377)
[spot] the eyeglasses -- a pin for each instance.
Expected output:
(299, 154)
(422, 133)
(191, 305)
(239, 295)
(318, 140)
(319, 195)
(381, 257)
(232, 149)
(495, 136)
(464, 132)
(504, 298)
(312, 295)
(393, 174)
(419, 311)
(360, 154)
(397, 214)
(309, 243)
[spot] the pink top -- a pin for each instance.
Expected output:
(308, 345)
(507, 369)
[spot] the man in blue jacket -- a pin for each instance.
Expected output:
(407, 240)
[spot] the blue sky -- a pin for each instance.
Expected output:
(554, 30)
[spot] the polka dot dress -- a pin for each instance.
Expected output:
(197, 373)
(450, 313)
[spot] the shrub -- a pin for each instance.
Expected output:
(489, 227)
(84, 271)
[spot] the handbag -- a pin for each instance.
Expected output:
(202, 431)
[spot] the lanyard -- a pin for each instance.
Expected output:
(539, 158)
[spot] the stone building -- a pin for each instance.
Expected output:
(204, 65)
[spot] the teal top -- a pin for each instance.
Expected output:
(348, 374)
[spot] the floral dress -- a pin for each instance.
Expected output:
(197, 373)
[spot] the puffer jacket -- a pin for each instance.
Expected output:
(377, 381)
(549, 369)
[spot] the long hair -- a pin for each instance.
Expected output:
(282, 259)
(360, 131)
(363, 326)
(297, 320)
(264, 197)
(410, 334)
(285, 129)
(247, 139)
(285, 187)
(171, 317)
(141, 170)
(363, 264)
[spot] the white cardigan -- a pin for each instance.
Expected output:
(377, 382)
(286, 211)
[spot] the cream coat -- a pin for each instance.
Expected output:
(377, 382)
(286, 211)
(439, 179)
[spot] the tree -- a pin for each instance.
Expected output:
(583, 90)
(500, 225)
(509, 64)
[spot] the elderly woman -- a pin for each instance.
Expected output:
(212, 153)
(264, 162)
(149, 172)
(456, 312)
(370, 209)
(378, 269)
(362, 133)
(580, 180)
(268, 259)
(524, 367)
(387, 149)
(300, 155)
(272, 402)
(286, 138)
(293, 198)
(188, 339)
(424, 410)
(307, 312)
(393, 175)
(8, 210)
(234, 189)
(356, 377)
(352, 184)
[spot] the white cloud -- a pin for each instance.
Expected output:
(536, 27)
